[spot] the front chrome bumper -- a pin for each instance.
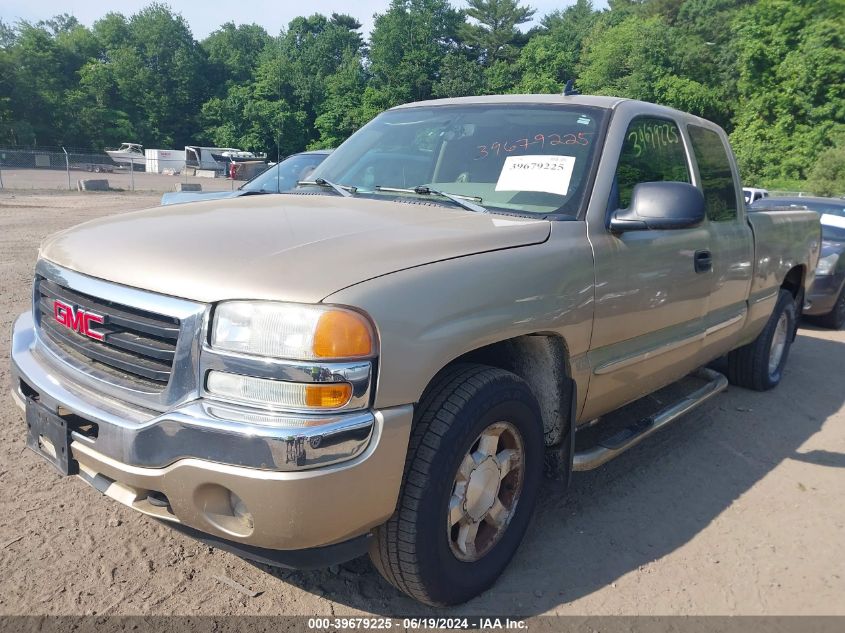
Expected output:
(306, 481)
(223, 433)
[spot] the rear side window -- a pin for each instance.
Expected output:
(717, 179)
(652, 152)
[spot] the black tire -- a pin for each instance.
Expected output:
(748, 366)
(413, 550)
(835, 319)
(799, 312)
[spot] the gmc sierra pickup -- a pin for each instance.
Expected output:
(386, 357)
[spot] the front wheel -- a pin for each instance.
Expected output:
(759, 365)
(471, 479)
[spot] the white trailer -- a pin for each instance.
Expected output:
(164, 160)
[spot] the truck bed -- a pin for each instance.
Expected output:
(782, 239)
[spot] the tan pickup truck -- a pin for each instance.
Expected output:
(386, 357)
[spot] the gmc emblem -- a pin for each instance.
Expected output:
(78, 319)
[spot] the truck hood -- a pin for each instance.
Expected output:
(279, 247)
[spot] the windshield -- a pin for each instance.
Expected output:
(516, 158)
(833, 233)
(285, 175)
(833, 226)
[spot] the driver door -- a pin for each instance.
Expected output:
(650, 299)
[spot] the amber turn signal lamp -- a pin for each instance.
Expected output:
(342, 334)
(328, 396)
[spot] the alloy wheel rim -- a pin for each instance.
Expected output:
(485, 492)
(778, 344)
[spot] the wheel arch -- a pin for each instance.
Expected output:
(793, 281)
(542, 360)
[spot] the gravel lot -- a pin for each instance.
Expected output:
(737, 509)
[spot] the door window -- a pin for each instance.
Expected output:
(652, 152)
(717, 178)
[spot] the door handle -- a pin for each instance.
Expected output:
(703, 261)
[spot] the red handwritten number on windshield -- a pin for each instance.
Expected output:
(497, 147)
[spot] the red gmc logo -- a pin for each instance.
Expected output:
(78, 319)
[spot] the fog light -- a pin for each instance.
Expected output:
(223, 509)
(239, 510)
(279, 394)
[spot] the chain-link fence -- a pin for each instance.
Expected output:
(153, 170)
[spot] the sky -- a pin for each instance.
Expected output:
(204, 16)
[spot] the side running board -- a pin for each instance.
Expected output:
(634, 433)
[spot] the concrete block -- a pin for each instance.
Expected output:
(92, 185)
(187, 186)
(206, 173)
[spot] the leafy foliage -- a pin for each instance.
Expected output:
(408, 44)
(791, 64)
(827, 177)
(769, 71)
(493, 35)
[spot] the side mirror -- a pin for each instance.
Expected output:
(660, 206)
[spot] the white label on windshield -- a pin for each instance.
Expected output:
(547, 174)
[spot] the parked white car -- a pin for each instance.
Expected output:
(752, 194)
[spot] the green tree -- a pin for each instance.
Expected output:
(312, 49)
(551, 56)
(8, 80)
(460, 76)
(625, 59)
(791, 64)
(294, 76)
(36, 97)
(7, 35)
(342, 112)
(233, 52)
(112, 31)
(408, 44)
(827, 175)
(163, 74)
(638, 58)
(494, 36)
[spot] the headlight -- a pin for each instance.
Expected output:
(291, 331)
(827, 264)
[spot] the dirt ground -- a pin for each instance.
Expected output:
(737, 509)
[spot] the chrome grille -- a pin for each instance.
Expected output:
(138, 348)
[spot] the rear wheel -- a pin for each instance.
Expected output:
(471, 478)
(835, 318)
(759, 365)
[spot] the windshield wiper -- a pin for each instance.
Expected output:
(422, 190)
(345, 190)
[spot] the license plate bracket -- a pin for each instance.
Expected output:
(48, 436)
